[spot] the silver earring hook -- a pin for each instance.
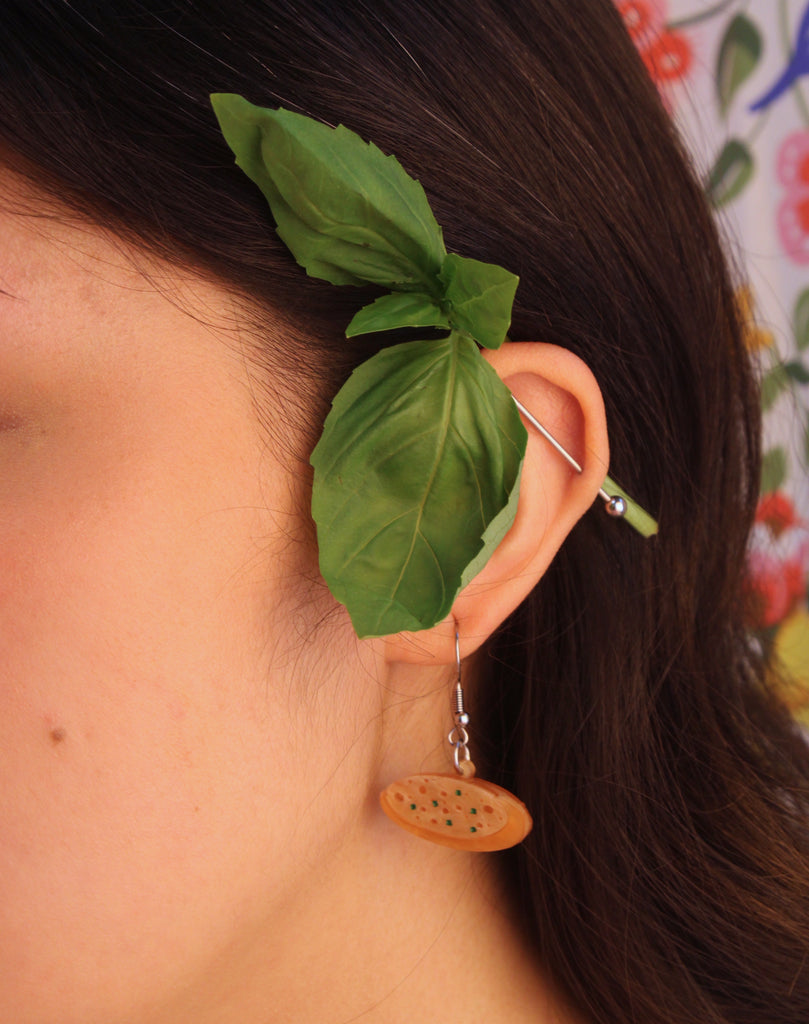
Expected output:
(459, 737)
(616, 505)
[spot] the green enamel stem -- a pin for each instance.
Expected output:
(638, 518)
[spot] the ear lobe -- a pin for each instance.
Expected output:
(562, 393)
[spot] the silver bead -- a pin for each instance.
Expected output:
(616, 506)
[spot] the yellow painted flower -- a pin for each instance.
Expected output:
(792, 657)
(755, 337)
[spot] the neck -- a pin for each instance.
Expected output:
(377, 925)
(387, 928)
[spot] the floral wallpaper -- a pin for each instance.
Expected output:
(735, 76)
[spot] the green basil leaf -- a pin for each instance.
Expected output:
(493, 534)
(480, 297)
(347, 212)
(739, 53)
(420, 453)
(731, 173)
(397, 309)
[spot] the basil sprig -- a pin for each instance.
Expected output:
(418, 466)
(417, 469)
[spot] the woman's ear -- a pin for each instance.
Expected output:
(560, 391)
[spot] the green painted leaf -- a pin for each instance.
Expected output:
(739, 53)
(800, 321)
(480, 297)
(731, 173)
(797, 371)
(397, 309)
(775, 382)
(348, 213)
(773, 470)
(420, 453)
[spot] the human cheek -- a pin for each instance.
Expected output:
(80, 634)
(127, 694)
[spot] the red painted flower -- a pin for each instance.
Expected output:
(667, 55)
(777, 512)
(793, 214)
(643, 18)
(778, 563)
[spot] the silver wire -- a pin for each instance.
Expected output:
(552, 440)
(459, 737)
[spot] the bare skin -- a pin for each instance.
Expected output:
(192, 741)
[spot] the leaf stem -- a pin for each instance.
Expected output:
(786, 40)
(758, 128)
(638, 518)
(695, 19)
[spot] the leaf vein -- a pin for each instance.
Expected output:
(449, 400)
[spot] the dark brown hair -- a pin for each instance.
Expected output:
(666, 878)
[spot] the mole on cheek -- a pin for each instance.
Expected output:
(57, 735)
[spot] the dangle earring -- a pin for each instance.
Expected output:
(459, 810)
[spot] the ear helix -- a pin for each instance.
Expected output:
(616, 504)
